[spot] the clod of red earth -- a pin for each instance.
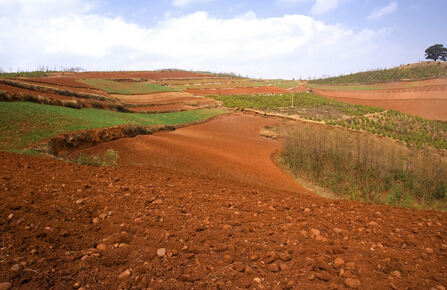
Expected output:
(213, 216)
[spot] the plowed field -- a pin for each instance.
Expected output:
(427, 99)
(202, 207)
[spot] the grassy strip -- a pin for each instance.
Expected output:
(305, 104)
(32, 74)
(127, 88)
(23, 123)
(282, 84)
(413, 130)
(425, 71)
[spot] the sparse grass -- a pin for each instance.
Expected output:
(361, 166)
(426, 70)
(127, 88)
(23, 123)
(109, 158)
(32, 74)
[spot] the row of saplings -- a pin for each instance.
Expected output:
(364, 166)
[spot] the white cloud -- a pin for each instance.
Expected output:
(287, 46)
(183, 3)
(323, 6)
(320, 6)
(377, 14)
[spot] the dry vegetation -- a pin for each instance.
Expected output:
(362, 166)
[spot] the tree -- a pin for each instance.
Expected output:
(435, 52)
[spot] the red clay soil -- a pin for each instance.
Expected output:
(68, 81)
(13, 89)
(240, 91)
(427, 99)
(217, 214)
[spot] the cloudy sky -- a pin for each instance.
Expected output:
(257, 38)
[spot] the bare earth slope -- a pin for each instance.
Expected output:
(427, 99)
(227, 147)
(209, 220)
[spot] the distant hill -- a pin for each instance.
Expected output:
(410, 72)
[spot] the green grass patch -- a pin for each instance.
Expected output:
(23, 123)
(305, 104)
(282, 84)
(32, 74)
(127, 88)
(412, 130)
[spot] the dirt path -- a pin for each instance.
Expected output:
(214, 214)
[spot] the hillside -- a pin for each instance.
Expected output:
(140, 226)
(413, 72)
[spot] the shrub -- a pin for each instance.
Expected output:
(71, 104)
(378, 166)
(110, 158)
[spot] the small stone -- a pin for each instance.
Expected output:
(239, 267)
(394, 287)
(324, 276)
(158, 201)
(339, 262)
(257, 280)
(337, 230)
(101, 247)
(314, 232)
(290, 284)
(5, 286)
(103, 216)
(353, 283)
(396, 274)
(10, 216)
(285, 257)
(350, 265)
(16, 268)
(221, 285)
(161, 252)
(429, 250)
(228, 259)
(96, 221)
(284, 267)
(227, 227)
(124, 275)
(248, 270)
(373, 224)
(273, 267)
(307, 209)
(440, 287)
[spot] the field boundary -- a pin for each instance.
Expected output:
(63, 144)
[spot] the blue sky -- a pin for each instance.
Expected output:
(263, 39)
